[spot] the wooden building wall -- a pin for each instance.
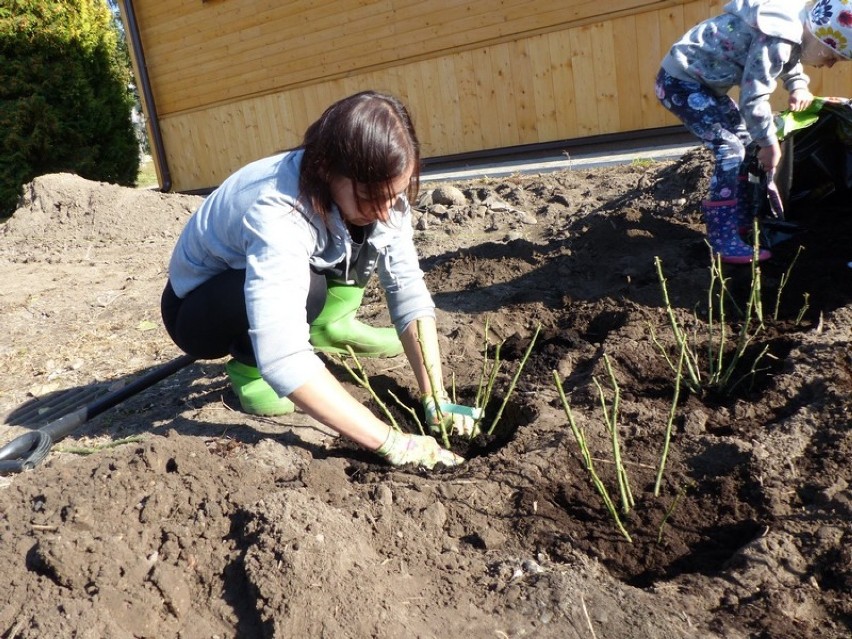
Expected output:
(235, 80)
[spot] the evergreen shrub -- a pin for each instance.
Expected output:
(65, 101)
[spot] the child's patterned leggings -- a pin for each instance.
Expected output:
(716, 121)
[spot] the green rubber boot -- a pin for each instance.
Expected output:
(255, 395)
(336, 327)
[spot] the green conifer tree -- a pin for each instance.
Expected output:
(65, 101)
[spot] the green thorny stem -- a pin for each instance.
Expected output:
(408, 410)
(718, 372)
(487, 377)
(804, 308)
(753, 312)
(611, 420)
(670, 423)
(514, 381)
(365, 382)
(484, 376)
(679, 334)
(671, 509)
(784, 279)
(715, 360)
(580, 437)
(429, 365)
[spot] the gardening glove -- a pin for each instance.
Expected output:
(400, 449)
(461, 420)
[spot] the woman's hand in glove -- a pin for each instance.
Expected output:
(400, 449)
(461, 420)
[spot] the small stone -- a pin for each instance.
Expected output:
(435, 514)
(491, 539)
(449, 195)
(439, 210)
(526, 218)
(383, 495)
(696, 422)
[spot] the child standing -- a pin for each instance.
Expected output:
(754, 44)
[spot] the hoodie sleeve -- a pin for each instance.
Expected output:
(407, 295)
(769, 59)
(278, 243)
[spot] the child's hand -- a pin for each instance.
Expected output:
(769, 156)
(800, 99)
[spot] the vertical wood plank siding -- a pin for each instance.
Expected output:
(235, 80)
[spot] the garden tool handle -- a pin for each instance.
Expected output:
(457, 409)
(28, 450)
(24, 452)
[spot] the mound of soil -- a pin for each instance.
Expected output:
(175, 515)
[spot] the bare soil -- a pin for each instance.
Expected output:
(175, 515)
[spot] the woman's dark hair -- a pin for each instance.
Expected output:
(368, 138)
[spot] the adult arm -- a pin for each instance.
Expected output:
(411, 308)
(323, 398)
(418, 359)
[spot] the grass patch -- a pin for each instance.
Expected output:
(147, 176)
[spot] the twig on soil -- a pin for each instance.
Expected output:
(15, 630)
(86, 450)
(588, 618)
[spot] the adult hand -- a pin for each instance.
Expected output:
(800, 99)
(769, 156)
(461, 420)
(400, 449)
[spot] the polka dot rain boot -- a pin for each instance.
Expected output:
(723, 233)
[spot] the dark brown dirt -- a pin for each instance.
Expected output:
(174, 515)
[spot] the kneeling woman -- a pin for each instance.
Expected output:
(274, 262)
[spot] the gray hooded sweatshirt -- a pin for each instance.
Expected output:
(256, 221)
(754, 44)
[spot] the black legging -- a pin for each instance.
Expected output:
(211, 321)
